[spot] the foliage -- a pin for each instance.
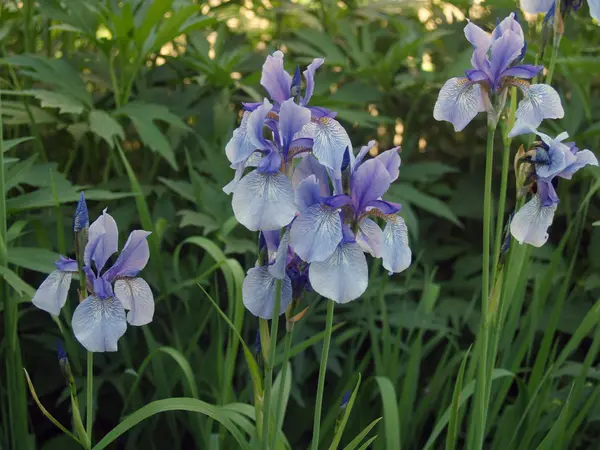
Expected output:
(134, 101)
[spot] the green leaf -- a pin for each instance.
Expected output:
(12, 143)
(465, 394)
(391, 419)
(65, 103)
(45, 198)
(154, 15)
(342, 425)
(197, 219)
(173, 404)
(38, 259)
(105, 126)
(407, 193)
(16, 282)
(358, 439)
(153, 138)
(453, 422)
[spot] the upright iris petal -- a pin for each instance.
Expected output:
(103, 241)
(309, 77)
(240, 146)
(275, 79)
(292, 118)
(133, 258)
(536, 6)
(370, 181)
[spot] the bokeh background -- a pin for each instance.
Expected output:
(133, 101)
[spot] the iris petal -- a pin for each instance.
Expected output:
(292, 118)
(530, 224)
(136, 296)
(51, 296)
(309, 78)
(278, 268)
(99, 324)
(264, 201)
(316, 233)
(594, 8)
(103, 237)
(536, 6)
(396, 253)
(541, 102)
(311, 166)
(370, 237)
(459, 101)
(370, 181)
(343, 276)
(391, 161)
(504, 51)
(477, 36)
(133, 258)
(258, 292)
(240, 146)
(275, 79)
(582, 159)
(330, 141)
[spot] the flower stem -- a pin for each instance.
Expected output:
(558, 33)
(269, 365)
(322, 370)
(482, 374)
(281, 400)
(89, 404)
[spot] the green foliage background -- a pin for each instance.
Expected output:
(134, 102)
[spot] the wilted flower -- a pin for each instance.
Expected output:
(550, 158)
(99, 321)
(333, 231)
(495, 67)
(548, 6)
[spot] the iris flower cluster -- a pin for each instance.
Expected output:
(100, 320)
(315, 203)
(548, 6)
(497, 66)
(537, 171)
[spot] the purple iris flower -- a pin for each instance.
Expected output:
(547, 6)
(495, 67)
(332, 232)
(100, 320)
(550, 158)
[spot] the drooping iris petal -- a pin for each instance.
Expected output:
(240, 146)
(594, 9)
(252, 161)
(99, 324)
(255, 125)
(526, 71)
(316, 233)
(369, 237)
(550, 162)
(505, 50)
(478, 37)
(308, 193)
(530, 224)
(391, 161)
(541, 102)
(133, 258)
(66, 264)
(309, 78)
(311, 166)
(136, 296)
(103, 238)
(275, 79)
(384, 207)
(459, 101)
(258, 292)
(101, 287)
(278, 268)
(370, 181)
(330, 141)
(546, 193)
(343, 276)
(264, 201)
(292, 118)
(51, 296)
(536, 6)
(582, 158)
(396, 253)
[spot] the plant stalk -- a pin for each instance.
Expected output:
(322, 371)
(280, 400)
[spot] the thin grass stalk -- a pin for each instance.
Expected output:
(558, 32)
(89, 396)
(482, 373)
(270, 363)
(17, 400)
(280, 400)
(322, 371)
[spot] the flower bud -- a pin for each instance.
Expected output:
(63, 362)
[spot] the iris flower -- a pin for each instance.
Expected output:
(547, 6)
(332, 232)
(100, 320)
(550, 158)
(496, 67)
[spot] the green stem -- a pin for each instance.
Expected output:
(281, 400)
(322, 371)
(504, 180)
(269, 365)
(90, 396)
(558, 32)
(482, 375)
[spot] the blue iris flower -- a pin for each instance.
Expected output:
(547, 6)
(332, 232)
(495, 67)
(550, 158)
(100, 320)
